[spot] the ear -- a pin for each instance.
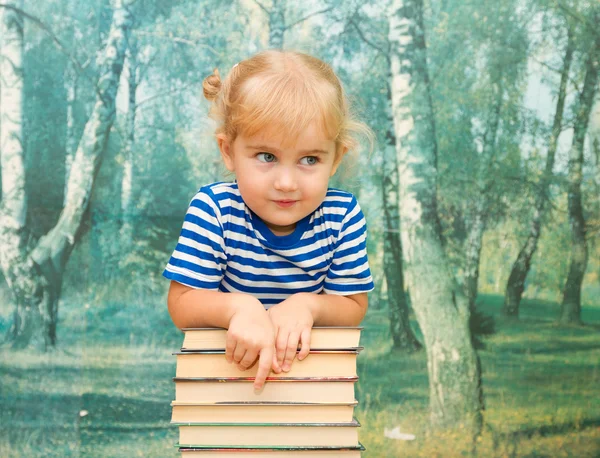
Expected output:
(338, 160)
(225, 147)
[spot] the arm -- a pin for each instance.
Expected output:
(201, 308)
(335, 310)
(250, 332)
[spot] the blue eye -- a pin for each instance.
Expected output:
(266, 157)
(309, 160)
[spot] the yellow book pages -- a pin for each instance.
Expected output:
(316, 364)
(262, 413)
(346, 452)
(207, 390)
(250, 435)
(322, 338)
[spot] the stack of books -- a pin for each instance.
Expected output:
(307, 412)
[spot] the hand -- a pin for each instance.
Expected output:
(293, 323)
(251, 335)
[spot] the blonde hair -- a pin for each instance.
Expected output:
(285, 91)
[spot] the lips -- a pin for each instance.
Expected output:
(285, 203)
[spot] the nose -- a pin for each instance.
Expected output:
(285, 180)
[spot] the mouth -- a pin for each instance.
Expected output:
(285, 202)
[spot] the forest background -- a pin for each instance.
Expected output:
(482, 196)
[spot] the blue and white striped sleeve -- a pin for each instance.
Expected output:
(349, 272)
(199, 258)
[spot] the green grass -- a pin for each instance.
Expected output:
(107, 394)
(541, 385)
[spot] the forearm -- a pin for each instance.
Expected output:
(334, 310)
(198, 308)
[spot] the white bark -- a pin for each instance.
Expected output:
(70, 81)
(441, 308)
(127, 180)
(37, 276)
(13, 208)
(56, 245)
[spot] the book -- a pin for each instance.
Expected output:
(318, 363)
(321, 338)
(279, 389)
(262, 412)
(272, 452)
(306, 412)
(268, 434)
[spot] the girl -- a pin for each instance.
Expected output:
(275, 252)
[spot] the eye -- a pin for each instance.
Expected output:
(309, 160)
(266, 157)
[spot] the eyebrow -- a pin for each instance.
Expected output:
(272, 148)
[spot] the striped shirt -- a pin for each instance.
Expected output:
(224, 246)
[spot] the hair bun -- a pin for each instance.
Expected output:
(211, 86)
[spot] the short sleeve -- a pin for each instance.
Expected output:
(199, 258)
(349, 272)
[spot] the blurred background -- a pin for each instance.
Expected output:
(104, 139)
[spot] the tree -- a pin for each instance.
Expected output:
(441, 308)
(13, 207)
(35, 273)
(126, 232)
(277, 21)
(570, 310)
(403, 337)
(520, 268)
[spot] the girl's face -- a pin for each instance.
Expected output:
(281, 185)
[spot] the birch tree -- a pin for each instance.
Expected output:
(570, 310)
(441, 308)
(477, 224)
(403, 337)
(277, 21)
(516, 281)
(126, 231)
(35, 276)
(13, 207)
(500, 62)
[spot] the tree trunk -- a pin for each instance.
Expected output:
(276, 24)
(441, 308)
(402, 335)
(40, 274)
(479, 220)
(570, 310)
(516, 281)
(594, 136)
(70, 79)
(13, 208)
(126, 233)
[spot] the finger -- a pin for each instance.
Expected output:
(275, 366)
(253, 362)
(230, 345)
(239, 353)
(248, 359)
(305, 341)
(290, 351)
(264, 367)
(281, 345)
